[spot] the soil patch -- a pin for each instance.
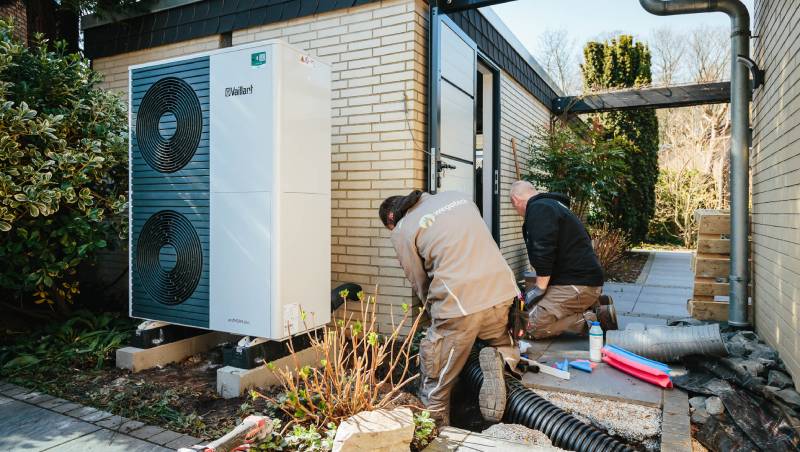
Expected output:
(629, 268)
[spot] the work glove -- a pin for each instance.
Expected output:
(532, 296)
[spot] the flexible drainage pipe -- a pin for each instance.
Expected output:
(670, 343)
(740, 138)
(525, 407)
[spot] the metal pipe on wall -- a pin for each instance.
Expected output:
(740, 139)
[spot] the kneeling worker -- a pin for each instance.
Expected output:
(454, 266)
(569, 278)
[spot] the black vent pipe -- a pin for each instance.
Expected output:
(527, 408)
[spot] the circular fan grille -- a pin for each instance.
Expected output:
(168, 151)
(169, 257)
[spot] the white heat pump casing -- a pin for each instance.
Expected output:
(270, 199)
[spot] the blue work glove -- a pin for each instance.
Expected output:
(532, 296)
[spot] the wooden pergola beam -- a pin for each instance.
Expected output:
(664, 97)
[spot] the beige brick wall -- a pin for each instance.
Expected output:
(775, 170)
(520, 113)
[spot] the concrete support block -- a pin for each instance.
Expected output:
(138, 359)
(233, 381)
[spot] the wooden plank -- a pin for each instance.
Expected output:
(637, 98)
(717, 224)
(713, 310)
(712, 265)
(713, 244)
(708, 287)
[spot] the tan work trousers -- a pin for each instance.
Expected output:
(445, 349)
(563, 309)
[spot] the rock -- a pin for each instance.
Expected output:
(761, 351)
(752, 366)
(790, 396)
(378, 430)
(520, 434)
(697, 402)
(700, 416)
(714, 406)
(779, 379)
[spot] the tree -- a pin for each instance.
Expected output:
(557, 53)
(622, 63)
(668, 55)
(63, 176)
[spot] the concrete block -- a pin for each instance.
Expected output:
(112, 422)
(63, 408)
(51, 404)
(146, 432)
(165, 437)
(138, 359)
(233, 382)
(183, 441)
(130, 426)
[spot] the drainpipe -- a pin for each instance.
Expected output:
(740, 139)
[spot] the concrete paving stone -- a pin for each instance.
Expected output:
(40, 399)
(18, 393)
(98, 415)
(65, 407)
(54, 402)
(658, 290)
(675, 429)
(675, 299)
(624, 321)
(146, 432)
(184, 441)
(29, 396)
(112, 422)
(109, 441)
(660, 310)
(81, 411)
(671, 444)
(28, 427)
(164, 437)
(7, 387)
(5, 400)
(130, 426)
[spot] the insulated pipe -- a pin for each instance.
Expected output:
(670, 343)
(527, 408)
(740, 139)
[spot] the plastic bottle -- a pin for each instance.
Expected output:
(595, 342)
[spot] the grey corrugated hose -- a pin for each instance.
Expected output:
(670, 343)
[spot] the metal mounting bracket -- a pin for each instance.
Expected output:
(756, 73)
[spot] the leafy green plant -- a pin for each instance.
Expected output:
(85, 340)
(580, 162)
(424, 428)
(358, 368)
(622, 63)
(308, 439)
(63, 179)
(679, 193)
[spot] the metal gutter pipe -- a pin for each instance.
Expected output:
(740, 139)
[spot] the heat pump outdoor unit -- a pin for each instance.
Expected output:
(230, 180)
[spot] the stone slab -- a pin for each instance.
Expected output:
(146, 432)
(661, 309)
(164, 437)
(624, 321)
(604, 382)
(28, 427)
(233, 381)
(183, 441)
(51, 404)
(453, 439)
(112, 422)
(109, 441)
(138, 359)
(65, 407)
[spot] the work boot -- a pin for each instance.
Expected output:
(492, 396)
(605, 300)
(607, 316)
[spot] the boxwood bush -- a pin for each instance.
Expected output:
(63, 178)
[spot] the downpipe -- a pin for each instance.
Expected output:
(740, 139)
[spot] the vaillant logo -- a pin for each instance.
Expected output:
(238, 90)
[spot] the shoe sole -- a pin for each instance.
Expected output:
(612, 314)
(492, 396)
(605, 300)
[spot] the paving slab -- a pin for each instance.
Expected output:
(604, 382)
(146, 432)
(65, 407)
(660, 309)
(109, 441)
(54, 402)
(184, 441)
(624, 320)
(454, 439)
(112, 422)
(130, 426)
(165, 437)
(28, 427)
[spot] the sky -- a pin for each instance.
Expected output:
(586, 19)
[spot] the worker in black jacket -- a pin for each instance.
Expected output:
(569, 278)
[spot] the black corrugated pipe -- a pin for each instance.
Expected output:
(740, 138)
(527, 408)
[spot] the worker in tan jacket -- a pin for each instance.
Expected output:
(456, 268)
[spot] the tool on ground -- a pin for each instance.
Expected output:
(241, 438)
(558, 373)
(638, 366)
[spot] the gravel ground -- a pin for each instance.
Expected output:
(634, 423)
(521, 434)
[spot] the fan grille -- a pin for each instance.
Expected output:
(167, 98)
(177, 282)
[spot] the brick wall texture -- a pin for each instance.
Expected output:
(775, 169)
(379, 58)
(18, 12)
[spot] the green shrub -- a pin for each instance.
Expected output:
(581, 163)
(678, 194)
(63, 177)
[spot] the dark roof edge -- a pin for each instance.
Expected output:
(93, 20)
(495, 20)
